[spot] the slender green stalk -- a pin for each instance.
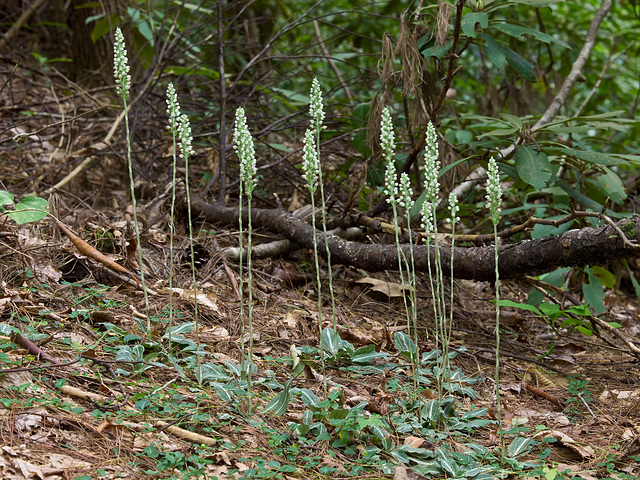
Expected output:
(173, 109)
(123, 84)
(432, 188)
(404, 200)
(316, 110)
(387, 142)
(243, 144)
(311, 169)
(184, 133)
(453, 218)
(494, 200)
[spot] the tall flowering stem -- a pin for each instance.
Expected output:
(123, 85)
(312, 174)
(243, 144)
(405, 193)
(186, 138)
(316, 110)
(429, 223)
(173, 110)
(494, 201)
(387, 143)
(454, 219)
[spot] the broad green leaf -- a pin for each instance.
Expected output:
(612, 185)
(533, 167)
(447, 462)
(584, 200)
(512, 120)
(279, 146)
(333, 344)
(469, 21)
(437, 51)
(280, 402)
(379, 432)
(518, 31)
(125, 354)
(540, 230)
(594, 293)
(6, 198)
(499, 132)
(142, 24)
(519, 64)
(492, 50)
(292, 96)
(481, 412)
(34, 209)
(204, 71)
(103, 26)
(597, 158)
(6, 329)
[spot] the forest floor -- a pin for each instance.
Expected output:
(100, 391)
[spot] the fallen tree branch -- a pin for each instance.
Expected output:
(587, 246)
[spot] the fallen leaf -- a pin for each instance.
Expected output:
(390, 289)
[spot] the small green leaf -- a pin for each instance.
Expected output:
(521, 306)
(612, 186)
(607, 278)
(179, 329)
(469, 21)
(309, 398)
(431, 410)
(499, 132)
(533, 167)
(224, 392)
(142, 24)
(594, 293)
(406, 346)
(519, 446)
(634, 281)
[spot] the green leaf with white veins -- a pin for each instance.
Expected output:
(280, 402)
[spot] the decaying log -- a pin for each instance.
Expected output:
(586, 246)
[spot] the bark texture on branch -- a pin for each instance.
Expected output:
(586, 246)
